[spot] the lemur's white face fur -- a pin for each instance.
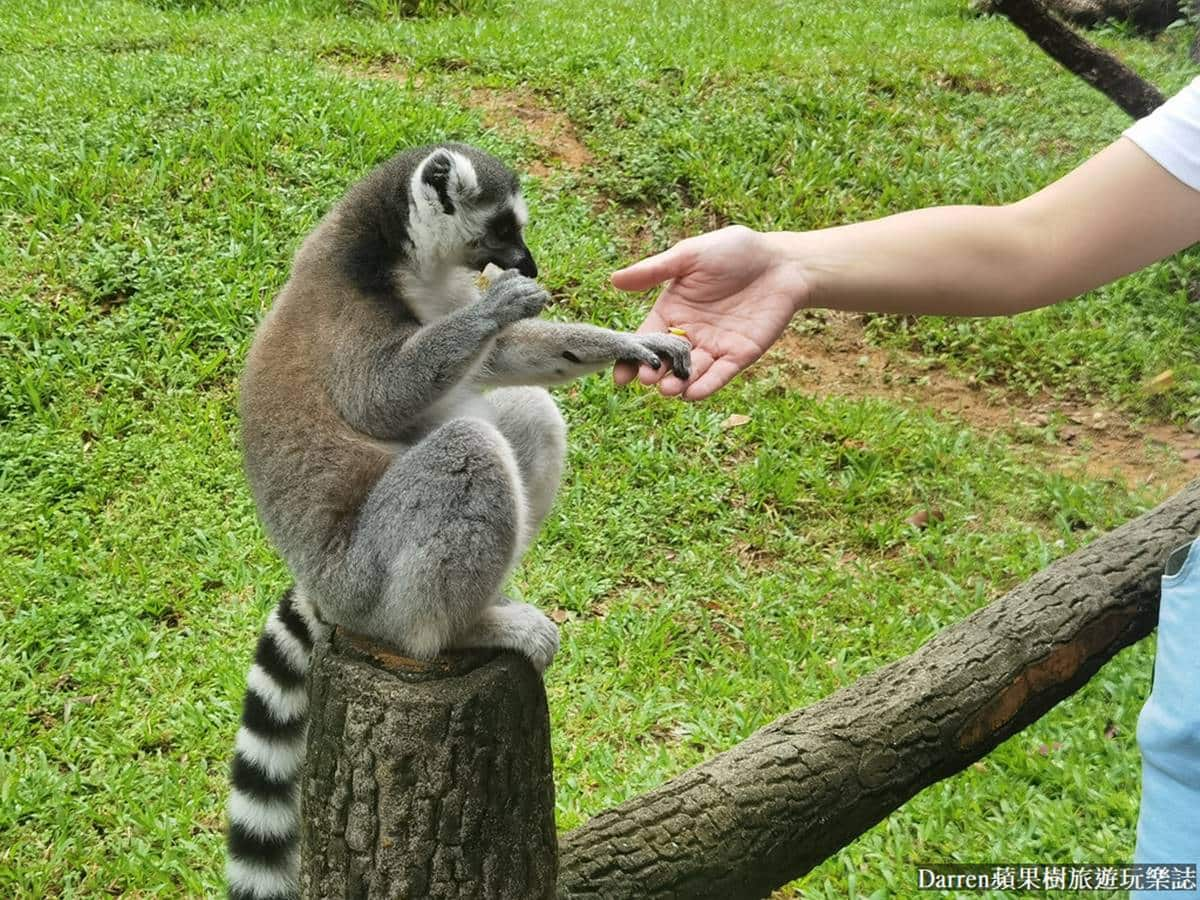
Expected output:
(464, 216)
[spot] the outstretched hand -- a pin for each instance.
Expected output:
(730, 291)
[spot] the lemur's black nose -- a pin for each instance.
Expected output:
(526, 266)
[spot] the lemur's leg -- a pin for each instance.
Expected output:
(435, 540)
(530, 421)
(534, 351)
(442, 525)
(514, 626)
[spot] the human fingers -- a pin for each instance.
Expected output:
(653, 270)
(715, 377)
(649, 376)
(624, 372)
(671, 385)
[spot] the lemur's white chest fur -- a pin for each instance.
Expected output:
(433, 293)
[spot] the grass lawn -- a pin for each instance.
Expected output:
(159, 163)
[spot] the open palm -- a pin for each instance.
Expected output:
(728, 291)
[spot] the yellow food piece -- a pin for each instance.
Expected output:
(1161, 382)
(678, 331)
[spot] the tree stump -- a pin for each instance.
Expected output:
(426, 780)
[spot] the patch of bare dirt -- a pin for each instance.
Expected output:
(968, 84)
(1057, 146)
(355, 62)
(827, 354)
(550, 130)
(384, 68)
(513, 111)
(754, 558)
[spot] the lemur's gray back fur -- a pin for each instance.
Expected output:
(399, 455)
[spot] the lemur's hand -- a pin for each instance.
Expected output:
(512, 297)
(651, 349)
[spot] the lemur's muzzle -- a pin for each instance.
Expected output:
(527, 266)
(517, 257)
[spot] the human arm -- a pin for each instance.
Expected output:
(733, 291)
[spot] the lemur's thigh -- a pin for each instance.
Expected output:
(442, 524)
(530, 420)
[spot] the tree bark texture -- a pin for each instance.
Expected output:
(426, 780)
(774, 806)
(1097, 67)
(1148, 16)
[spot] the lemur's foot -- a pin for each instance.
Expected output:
(539, 637)
(516, 626)
(651, 349)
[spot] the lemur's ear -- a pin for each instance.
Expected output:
(449, 179)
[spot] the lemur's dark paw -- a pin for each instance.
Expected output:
(675, 350)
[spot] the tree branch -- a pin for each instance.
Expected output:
(774, 806)
(1100, 69)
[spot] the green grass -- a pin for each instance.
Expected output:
(159, 163)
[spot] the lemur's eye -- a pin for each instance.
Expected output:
(504, 227)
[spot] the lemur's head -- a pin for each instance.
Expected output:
(466, 209)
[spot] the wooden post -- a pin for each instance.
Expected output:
(426, 780)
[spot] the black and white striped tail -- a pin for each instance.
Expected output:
(264, 805)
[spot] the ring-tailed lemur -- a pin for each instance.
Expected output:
(398, 491)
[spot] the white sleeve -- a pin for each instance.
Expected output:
(1171, 135)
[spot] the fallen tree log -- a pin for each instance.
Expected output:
(1097, 67)
(771, 808)
(426, 780)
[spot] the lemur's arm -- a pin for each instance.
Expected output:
(382, 391)
(535, 351)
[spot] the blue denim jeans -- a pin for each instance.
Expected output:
(1168, 731)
